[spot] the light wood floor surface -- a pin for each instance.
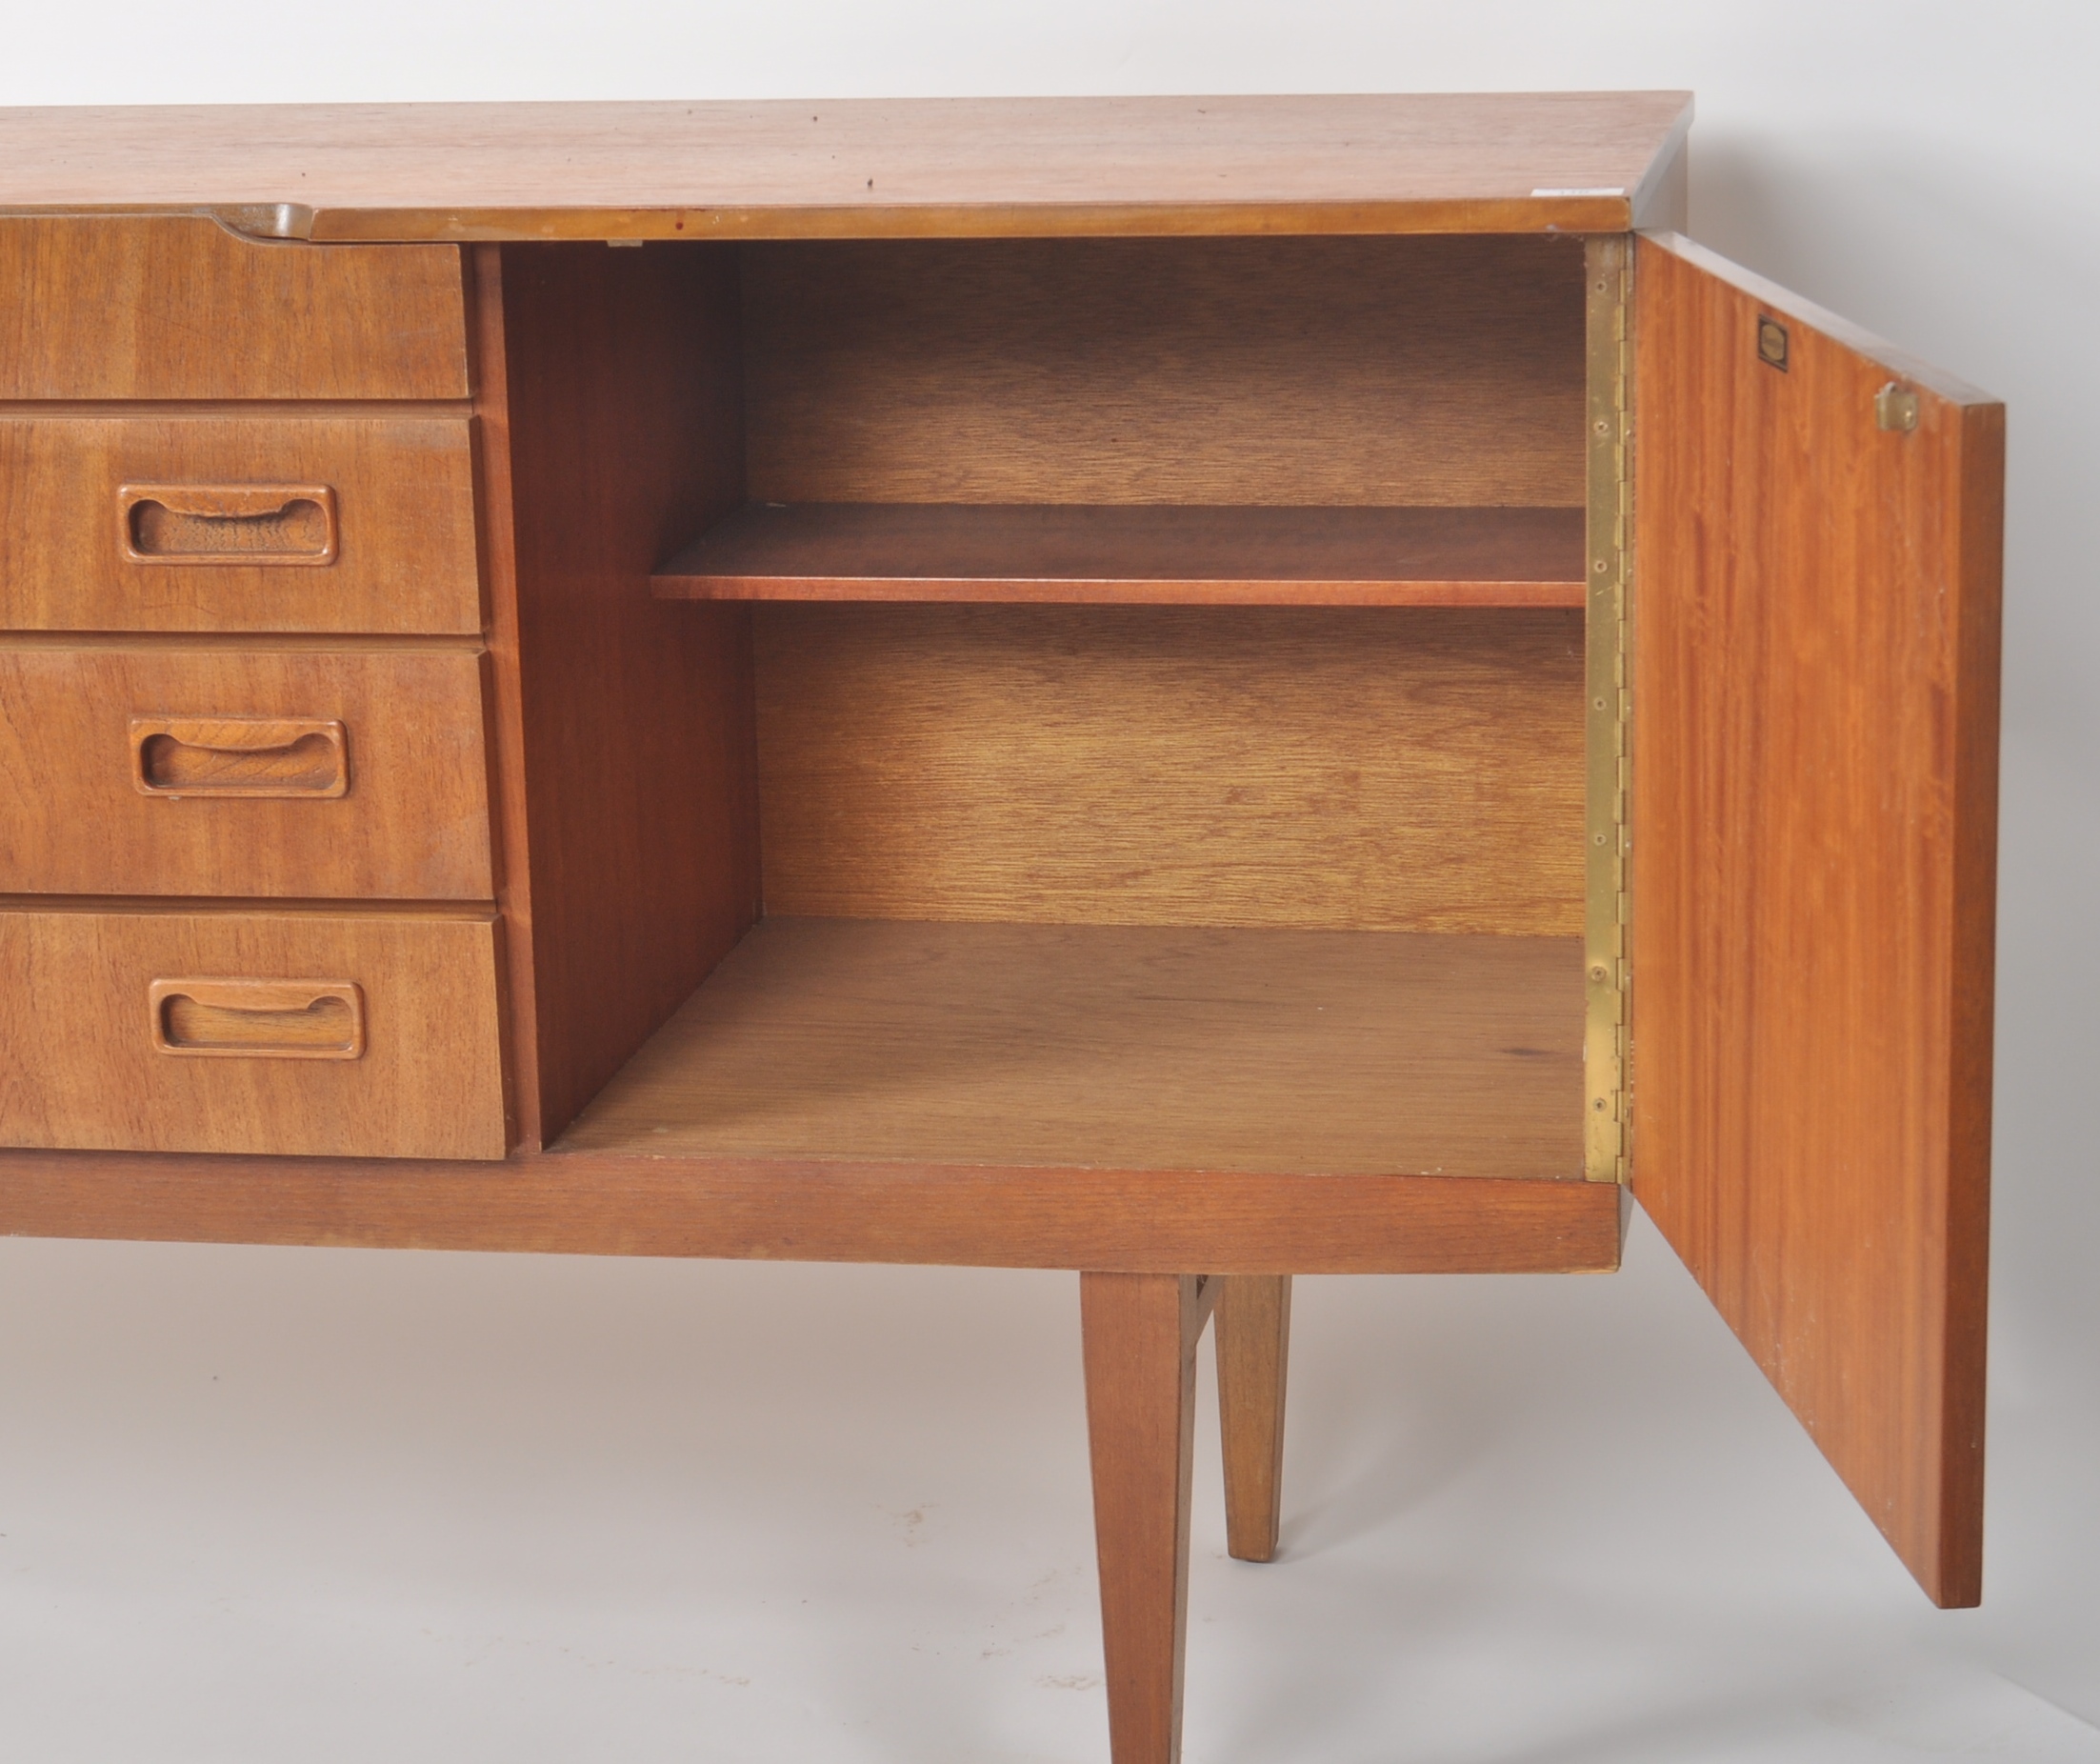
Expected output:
(1126, 1046)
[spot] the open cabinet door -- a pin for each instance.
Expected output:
(1813, 633)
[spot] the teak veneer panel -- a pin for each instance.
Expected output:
(404, 493)
(1814, 801)
(1123, 554)
(177, 307)
(1396, 770)
(82, 1071)
(414, 822)
(1439, 162)
(1120, 1047)
(811, 1211)
(1383, 372)
(615, 396)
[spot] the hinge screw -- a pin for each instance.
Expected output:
(1895, 408)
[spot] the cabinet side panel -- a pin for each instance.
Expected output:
(176, 307)
(503, 712)
(1814, 729)
(624, 431)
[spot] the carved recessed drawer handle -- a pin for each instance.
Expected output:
(259, 1019)
(227, 523)
(300, 756)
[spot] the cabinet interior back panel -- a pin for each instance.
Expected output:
(1409, 371)
(1380, 770)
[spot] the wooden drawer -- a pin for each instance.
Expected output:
(238, 523)
(246, 773)
(355, 1035)
(177, 307)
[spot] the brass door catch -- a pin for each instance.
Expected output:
(1771, 343)
(1895, 408)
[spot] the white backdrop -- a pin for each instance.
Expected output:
(341, 1505)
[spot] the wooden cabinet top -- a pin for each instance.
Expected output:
(1583, 162)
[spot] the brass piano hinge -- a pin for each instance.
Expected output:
(1608, 265)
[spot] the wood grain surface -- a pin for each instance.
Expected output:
(1309, 372)
(177, 307)
(633, 715)
(82, 1071)
(503, 702)
(404, 497)
(1253, 1344)
(1138, 1335)
(1110, 553)
(277, 525)
(1814, 800)
(1452, 163)
(238, 758)
(241, 1019)
(1118, 1048)
(824, 1211)
(1391, 769)
(413, 823)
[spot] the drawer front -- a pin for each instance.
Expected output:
(300, 1034)
(177, 307)
(250, 774)
(239, 523)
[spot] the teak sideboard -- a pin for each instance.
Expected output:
(1190, 689)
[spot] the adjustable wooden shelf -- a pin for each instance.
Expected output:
(1135, 554)
(1187, 689)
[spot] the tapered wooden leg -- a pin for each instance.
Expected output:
(1253, 1354)
(1140, 1335)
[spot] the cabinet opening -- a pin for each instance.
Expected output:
(1236, 889)
(1340, 421)
(898, 844)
